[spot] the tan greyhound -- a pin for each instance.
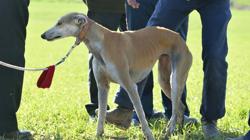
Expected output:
(127, 58)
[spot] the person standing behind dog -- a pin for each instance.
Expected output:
(14, 19)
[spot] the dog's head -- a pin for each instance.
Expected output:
(68, 25)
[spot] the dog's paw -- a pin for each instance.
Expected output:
(171, 126)
(149, 136)
(99, 133)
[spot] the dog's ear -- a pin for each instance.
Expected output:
(80, 19)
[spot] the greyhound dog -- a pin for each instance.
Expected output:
(127, 58)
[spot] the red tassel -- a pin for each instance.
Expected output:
(46, 77)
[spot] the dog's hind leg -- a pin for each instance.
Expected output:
(103, 88)
(181, 61)
(164, 72)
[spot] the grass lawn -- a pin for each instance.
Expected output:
(244, 2)
(59, 113)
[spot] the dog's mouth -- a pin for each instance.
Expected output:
(51, 39)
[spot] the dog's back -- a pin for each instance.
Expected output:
(141, 46)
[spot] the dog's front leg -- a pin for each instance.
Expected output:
(102, 108)
(132, 91)
(103, 88)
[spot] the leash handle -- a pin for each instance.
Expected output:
(21, 68)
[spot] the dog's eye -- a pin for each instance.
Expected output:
(59, 23)
(79, 21)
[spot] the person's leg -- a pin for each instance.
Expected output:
(13, 33)
(147, 96)
(112, 22)
(171, 14)
(138, 18)
(247, 136)
(123, 23)
(215, 17)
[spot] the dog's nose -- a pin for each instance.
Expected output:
(43, 36)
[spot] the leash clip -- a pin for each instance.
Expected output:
(78, 42)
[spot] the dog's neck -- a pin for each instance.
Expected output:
(93, 39)
(84, 29)
(92, 31)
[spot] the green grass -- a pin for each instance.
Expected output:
(59, 113)
(244, 2)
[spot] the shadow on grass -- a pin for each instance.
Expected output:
(192, 132)
(116, 138)
(56, 136)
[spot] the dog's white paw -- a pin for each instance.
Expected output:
(171, 126)
(149, 136)
(99, 133)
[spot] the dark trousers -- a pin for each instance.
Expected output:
(112, 21)
(138, 19)
(215, 15)
(14, 18)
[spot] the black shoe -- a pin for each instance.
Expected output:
(210, 129)
(158, 115)
(246, 137)
(17, 135)
(190, 121)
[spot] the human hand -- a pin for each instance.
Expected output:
(133, 3)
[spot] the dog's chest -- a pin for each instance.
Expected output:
(111, 72)
(95, 48)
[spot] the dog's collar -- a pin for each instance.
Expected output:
(84, 29)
